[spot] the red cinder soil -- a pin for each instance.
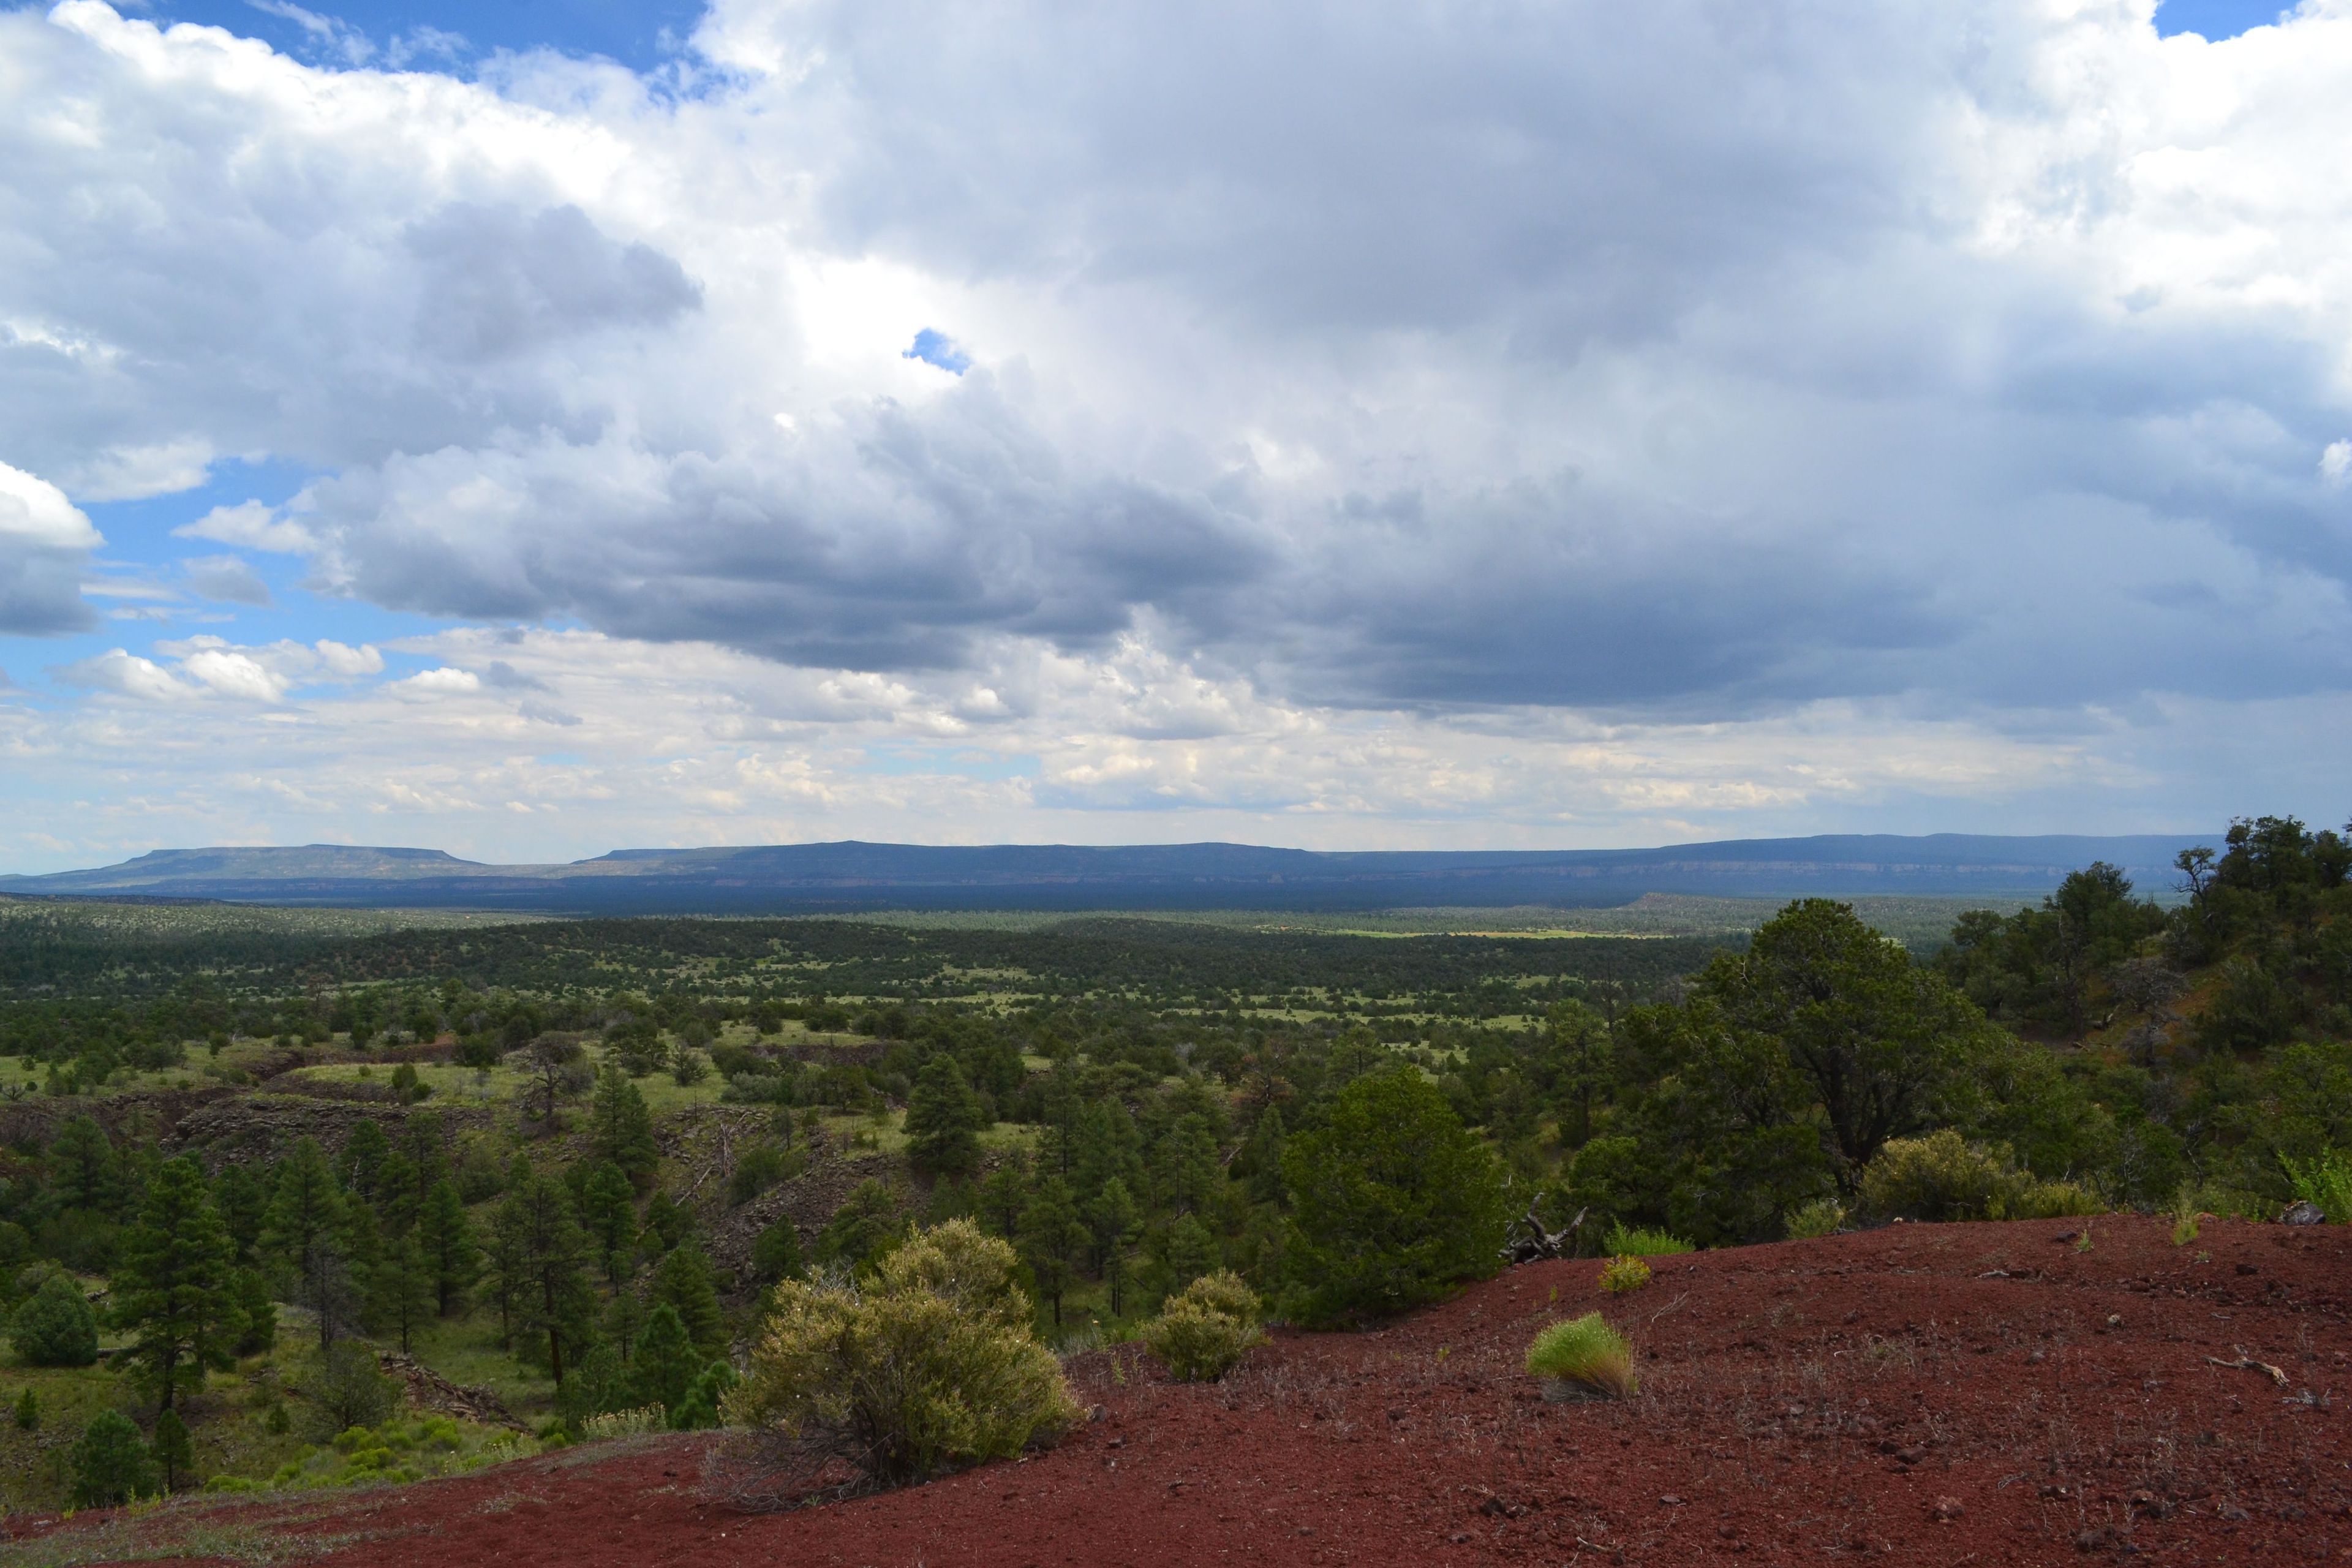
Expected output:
(1943, 1395)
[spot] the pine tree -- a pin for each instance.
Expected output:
(304, 1231)
(620, 1130)
(171, 1449)
(28, 1410)
(776, 1252)
(445, 1235)
(624, 1321)
(684, 1283)
(865, 1227)
(1051, 1232)
(1259, 1164)
(83, 1167)
(1005, 1195)
(1112, 1217)
(422, 1142)
(943, 1119)
(666, 1361)
(402, 1285)
(608, 1209)
(255, 1312)
(553, 1304)
(360, 1167)
(700, 1408)
(243, 1199)
(111, 1464)
(1186, 1252)
(171, 1289)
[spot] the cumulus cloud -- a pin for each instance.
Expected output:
(45, 541)
(252, 525)
(208, 667)
(1649, 367)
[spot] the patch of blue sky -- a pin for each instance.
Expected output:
(962, 762)
(446, 34)
(2216, 19)
(934, 347)
(149, 585)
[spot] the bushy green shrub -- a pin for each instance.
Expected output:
(2324, 1180)
(929, 1363)
(111, 1463)
(1623, 1273)
(1639, 1241)
(1200, 1333)
(1942, 1176)
(1820, 1217)
(56, 1327)
(1394, 1202)
(1584, 1351)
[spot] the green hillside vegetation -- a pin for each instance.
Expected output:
(561, 1164)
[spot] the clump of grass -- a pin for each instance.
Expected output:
(1622, 1274)
(1637, 1241)
(1584, 1351)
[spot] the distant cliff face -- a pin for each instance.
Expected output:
(855, 876)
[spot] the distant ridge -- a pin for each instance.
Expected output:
(852, 876)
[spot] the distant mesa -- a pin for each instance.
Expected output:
(853, 876)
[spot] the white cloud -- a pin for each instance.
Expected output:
(36, 513)
(442, 680)
(1873, 384)
(252, 525)
(134, 473)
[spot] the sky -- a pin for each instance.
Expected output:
(530, 430)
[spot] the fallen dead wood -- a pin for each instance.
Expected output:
(2245, 1362)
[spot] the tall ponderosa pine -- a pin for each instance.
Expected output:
(1050, 1236)
(360, 1167)
(242, 1196)
(553, 1304)
(401, 1285)
(943, 1121)
(172, 1286)
(83, 1168)
(608, 1210)
(1004, 1194)
(684, 1283)
(619, 1128)
(303, 1232)
(445, 1233)
(666, 1360)
(174, 1453)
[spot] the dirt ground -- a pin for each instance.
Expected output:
(1981, 1393)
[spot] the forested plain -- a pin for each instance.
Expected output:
(262, 1166)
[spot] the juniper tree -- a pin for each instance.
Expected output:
(55, 1327)
(171, 1290)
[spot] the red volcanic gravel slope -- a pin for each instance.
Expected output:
(1975, 1394)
